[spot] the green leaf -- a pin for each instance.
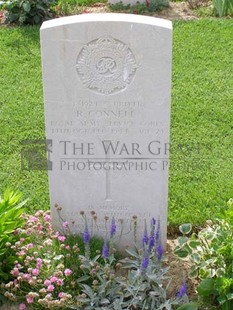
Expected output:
(193, 272)
(96, 258)
(206, 287)
(220, 272)
(207, 234)
(3, 251)
(87, 290)
(195, 257)
(26, 7)
(153, 277)
(36, 19)
(224, 284)
(189, 306)
(58, 257)
(182, 240)
(39, 7)
(193, 244)
(185, 228)
(222, 300)
(205, 272)
(82, 279)
(132, 253)
(181, 252)
(104, 301)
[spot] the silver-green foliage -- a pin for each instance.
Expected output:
(211, 255)
(125, 286)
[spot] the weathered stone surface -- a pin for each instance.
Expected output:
(107, 83)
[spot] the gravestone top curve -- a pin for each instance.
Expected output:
(107, 17)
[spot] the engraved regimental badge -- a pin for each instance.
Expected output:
(106, 65)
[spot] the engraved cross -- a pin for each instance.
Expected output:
(108, 184)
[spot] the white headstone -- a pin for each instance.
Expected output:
(107, 88)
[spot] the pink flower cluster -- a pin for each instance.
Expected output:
(40, 267)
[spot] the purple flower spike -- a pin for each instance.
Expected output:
(152, 235)
(105, 252)
(151, 243)
(113, 228)
(145, 238)
(157, 234)
(159, 251)
(153, 221)
(182, 291)
(145, 263)
(86, 236)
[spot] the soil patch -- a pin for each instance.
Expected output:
(176, 10)
(178, 269)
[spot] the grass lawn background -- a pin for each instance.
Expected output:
(201, 174)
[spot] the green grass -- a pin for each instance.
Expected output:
(202, 103)
(21, 111)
